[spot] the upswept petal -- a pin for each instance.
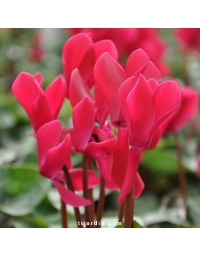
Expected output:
(167, 98)
(70, 197)
(40, 114)
(55, 159)
(38, 77)
(151, 71)
(47, 137)
(154, 84)
(123, 93)
(83, 117)
(109, 76)
(55, 95)
(102, 109)
(136, 61)
(78, 52)
(104, 167)
(141, 112)
(120, 157)
(26, 91)
(78, 88)
(131, 173)
(105, 46)
(186, 112)
(139, 186)
(97, 149)
(77, 178)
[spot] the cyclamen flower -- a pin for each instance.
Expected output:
(129, 39)
(40, 106)
(138, 104)
(53, 154)
(80, 52)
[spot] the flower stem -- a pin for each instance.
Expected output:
(121, 212)
(101, 202)
(128, 222)
(86, 190)
(71, 187)
(63, 212)
(181, 173)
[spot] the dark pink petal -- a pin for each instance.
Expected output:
(55, 159)
(109, 76)
(55, 95)
(154, 139)
(26, 91)
(41, 113)
(103, 166)
(139, 186)
(70, 197)
(123, 93)
(185, 112)
(38, 78)
(78, 53)
(77, 178)
(105, 46)
(102, 109)
(83, 120)
(131, 173)
(47, 138)
(151, 71)
(97, 149)
(136, 61)
(167, 98)
(153, 83)
(141, 112)
(78, 88)
(120, 157)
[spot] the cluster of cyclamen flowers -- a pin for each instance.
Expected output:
(117, 113)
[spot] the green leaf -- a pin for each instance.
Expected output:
(21, 190)
(160, 161)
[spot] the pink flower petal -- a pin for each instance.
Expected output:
(78, 88)
(186, 112)
(141, 112)
(105, 46)
(47, 138)
(97, 149)
(131, 173)
(83, 120)
(39, 78)
(77, 178)
(55, 95)
(151, 71)
(167, 98)
(55, 159)
(40, 112)
(109, 76)
(102, 109)
(26, 91)
(120, 163)
(70, 197)
(139, 186)
(123, 93)
(136, 61)
(78, 53)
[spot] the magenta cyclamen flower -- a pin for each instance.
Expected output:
(40, 106)
(80, 52)
(136, 102)
(53, 154)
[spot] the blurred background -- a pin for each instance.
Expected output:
(29, 200)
